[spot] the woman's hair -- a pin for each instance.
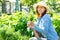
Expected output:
(38, 15)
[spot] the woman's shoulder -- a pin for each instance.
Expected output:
(46, 16)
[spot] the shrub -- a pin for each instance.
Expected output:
(56, 24)
(11, 24)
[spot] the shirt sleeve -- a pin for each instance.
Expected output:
(43, 26)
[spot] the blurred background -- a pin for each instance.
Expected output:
(14, 15)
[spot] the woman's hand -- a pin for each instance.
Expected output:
(30, 24)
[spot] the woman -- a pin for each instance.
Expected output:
(44, 24)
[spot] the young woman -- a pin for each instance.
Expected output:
(44, 24)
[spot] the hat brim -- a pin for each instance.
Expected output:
(38, 4)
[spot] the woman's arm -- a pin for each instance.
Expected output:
(43, 26)
(36, 34)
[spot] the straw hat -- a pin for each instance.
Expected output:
(41, 4)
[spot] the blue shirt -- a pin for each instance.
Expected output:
(44, 26)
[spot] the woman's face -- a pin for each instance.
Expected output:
(41, 9)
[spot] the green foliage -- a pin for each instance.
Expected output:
(11, 24)
(54, 5)
(12, 36)
(55, 21)
(56, 24)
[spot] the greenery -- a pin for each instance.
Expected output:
(14, 26)
(56, 22)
